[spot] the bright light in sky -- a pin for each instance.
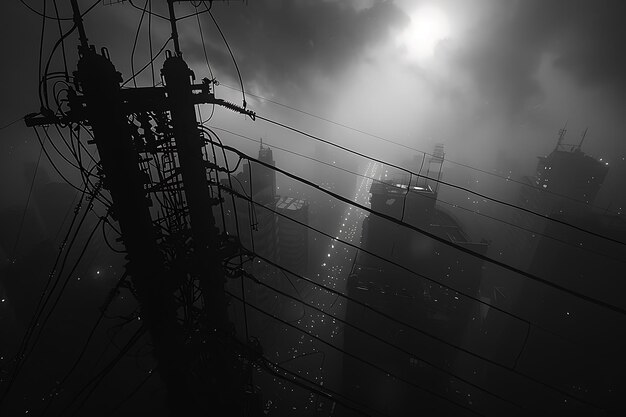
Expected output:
(428, 26)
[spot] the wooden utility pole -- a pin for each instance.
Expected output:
(101, 103)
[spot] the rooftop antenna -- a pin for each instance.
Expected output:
(261, 147)
(582, 138)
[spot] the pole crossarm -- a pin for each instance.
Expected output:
(134, 100)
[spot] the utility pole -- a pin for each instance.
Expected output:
(101, 103)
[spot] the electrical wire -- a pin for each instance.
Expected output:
(132, 53)
(358, 358)
(424, 153)
(42, 14)
(410, 326)
(92, 332)
(206, 59)
(43, 80)
(150, 42)
(243, 91)
(436, 198)
(439, 181)
(96, 380)
(248, 198)
(533, 277)
(380, 339)
(152, 59)
(131, 394)
(20, 355)
(30, 192)
(151, 13)
(56, 11)
(11, 123)
(62, 289)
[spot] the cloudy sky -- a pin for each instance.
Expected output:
(493, 80)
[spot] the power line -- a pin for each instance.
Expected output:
(269, 365)
(439, 181)
(406, 324)
(42, 14)
(92, 332)
(358, 358)
(99, 377)
(152, 59)
(30, 192)
(437, 199)
(131, 394)
(378, 338)
(354, 129)
(132, 53)
(433, 236)
(243, 92)
(11, 123)
(20, 355)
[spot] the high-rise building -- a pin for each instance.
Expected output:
(564, 187)
(257, 223)
(406, 296)
(263, 177)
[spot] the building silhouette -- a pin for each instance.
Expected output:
(407, 297)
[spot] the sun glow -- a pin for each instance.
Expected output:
(427, 28)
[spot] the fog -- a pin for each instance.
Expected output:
(365, 91)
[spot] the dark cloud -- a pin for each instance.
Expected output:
(584, 38)
(591, 45)
(283, 43)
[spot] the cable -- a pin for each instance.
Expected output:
(380, 339)
(30, 192)
(41, 39)
(56, 11)
(266, 363)
(353, 356)
(42, 14)
(243, 91)
(43, 80)
(540, 190)
(82, 352)
(63, 287)
(131, 394)
(424, 277)
(19, 357)
(148, 64)
(439, 181)
(444, 241)
(436, 198)
(132, 53)
(206, 59)
(316, 388)
(151, 13)
(150, 42)
(99, 377)
(410, 326)
(11, 123)
(104, 223)
(56, 168)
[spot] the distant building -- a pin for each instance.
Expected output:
(263, 177)
(255, 224)
(565, 183)
(269, 234)
(564, 187)
(293, 237)
(404, 295)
